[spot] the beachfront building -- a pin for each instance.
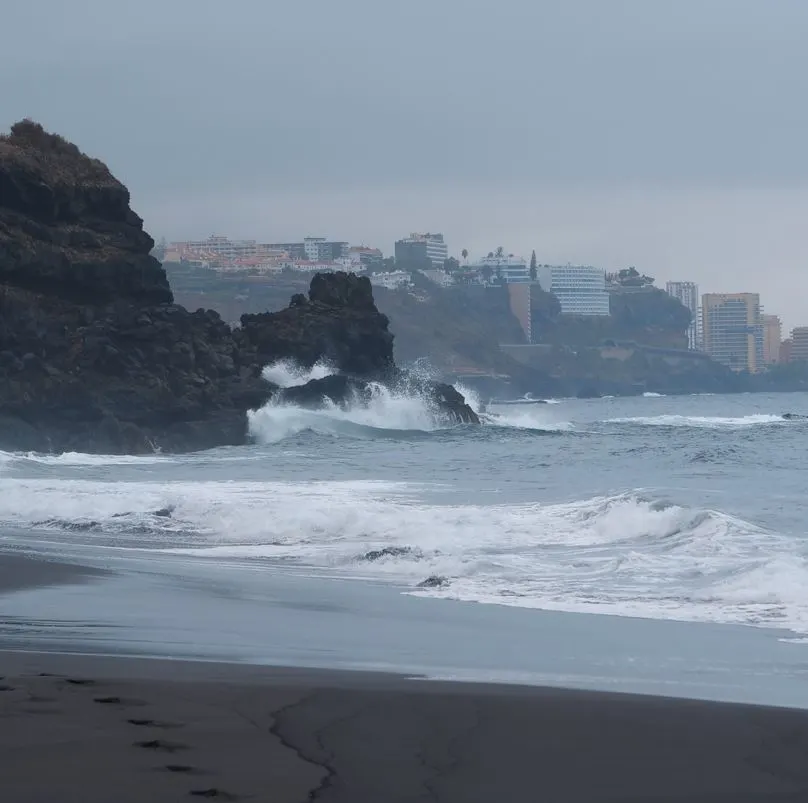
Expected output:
(772, 338)
(733, 333)
(799, 344)
(505, 269)
(580, 289)
(688, 294)
(419, 250)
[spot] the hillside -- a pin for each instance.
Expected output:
(470, 331)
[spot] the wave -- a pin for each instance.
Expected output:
(387, 410)
(705, 422)
(81, 459)
(287, 373)
(527, 418)
(627, 554)
(651, 395)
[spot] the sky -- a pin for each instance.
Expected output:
(672, 136)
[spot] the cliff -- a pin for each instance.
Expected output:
(94, 354)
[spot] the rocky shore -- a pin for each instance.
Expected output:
(95, 355)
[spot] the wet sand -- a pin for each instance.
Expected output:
(18, 572)
(90, 728)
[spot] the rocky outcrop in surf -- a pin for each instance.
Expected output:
(94, 354)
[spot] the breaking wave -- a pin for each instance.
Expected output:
(388, 410)
(287, 373)
(626, 554)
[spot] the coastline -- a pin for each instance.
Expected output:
(266, 615)
(134, 729)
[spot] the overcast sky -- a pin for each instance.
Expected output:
(667, 134)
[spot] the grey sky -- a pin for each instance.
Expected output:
(669, 135)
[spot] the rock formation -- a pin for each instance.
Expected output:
(94, 354)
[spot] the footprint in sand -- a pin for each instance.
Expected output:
(213, 792)
(114, 700)
(162, 745)
(153, 723)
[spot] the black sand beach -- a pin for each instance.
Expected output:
(78, 728)
(18, 572)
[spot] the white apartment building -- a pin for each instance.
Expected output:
(688, 294)
(580, 289)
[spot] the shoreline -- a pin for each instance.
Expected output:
(131, 730)
(260, 615)
(19, 572)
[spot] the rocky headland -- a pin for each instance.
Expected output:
(95, 355)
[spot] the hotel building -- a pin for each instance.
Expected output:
(733, 334)
(580, 289)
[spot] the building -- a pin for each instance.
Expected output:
(504, 269)
(688, 294)
(580, 289)
(733, 334)
(392, 280)
(799, 344)
(419, 249)
(785, 350)
(313, 249)
(369, 257)
(772, 337)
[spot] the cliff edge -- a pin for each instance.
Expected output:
(94, 354)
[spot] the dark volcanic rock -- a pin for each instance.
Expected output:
(94, 354)
(338, 389)
(339, 323)
(66, 228)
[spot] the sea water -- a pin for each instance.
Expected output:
(591, 534)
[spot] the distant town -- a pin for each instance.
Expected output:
(731, 328)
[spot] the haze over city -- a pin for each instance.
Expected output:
(666, 136)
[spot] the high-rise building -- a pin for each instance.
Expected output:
(580, 289)
(420, 249)
(799, 344)
(688, 294)
(733, 334)
(772, 337)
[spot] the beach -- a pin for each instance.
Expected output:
(78, 728)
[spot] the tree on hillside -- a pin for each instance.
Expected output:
(631, 277)
(500, 252)
(534, 271)
(487, 272)
(451, 265)
(465, 254)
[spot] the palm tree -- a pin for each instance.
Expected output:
(500, 252)
(465, 254)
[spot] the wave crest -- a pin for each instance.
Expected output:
(627, 554)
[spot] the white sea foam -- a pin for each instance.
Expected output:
(80, 459)
(624, 554)
(651, 395)
(287, 373)
(386, 410)
(524, 416)
(706, 422)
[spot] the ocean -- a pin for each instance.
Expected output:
(648, 543)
